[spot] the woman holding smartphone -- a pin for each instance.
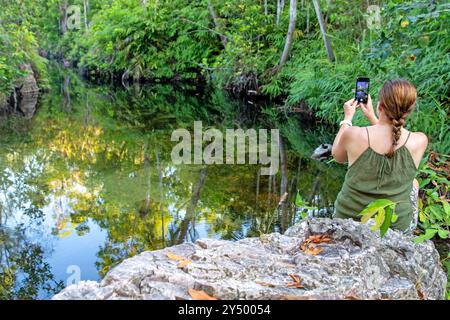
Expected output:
(382, 158)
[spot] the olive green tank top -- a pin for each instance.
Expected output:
(375, 176)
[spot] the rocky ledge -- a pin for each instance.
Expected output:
(315, 259)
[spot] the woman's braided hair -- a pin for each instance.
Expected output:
(397, 99)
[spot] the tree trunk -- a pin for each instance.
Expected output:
(323, 30)
(161, 197)
(290, 34)
(280, 7)
(86, 8)
(283, 165)
(283, 186)
(307, 17)
(217, 24)
(190, 211)
(67, 106)
(258, 180)
(266, 10)
(269, 191)
(63, 16)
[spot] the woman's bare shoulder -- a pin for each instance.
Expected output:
(419, 139)
(355, 134)
(417, 144)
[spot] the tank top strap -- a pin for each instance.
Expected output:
(409, 133)
(368, 138)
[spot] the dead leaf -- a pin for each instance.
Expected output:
(304, 246)
(200, 295)
(309, 246)
(319, 238)
(173, 256)
(420, 292)
(296, 283)
(295, 277)
(184, 263)
(313, 250)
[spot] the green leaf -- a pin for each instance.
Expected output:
(446, 207)
(299, 200)
(424, 183)
(443, 234)
(429, 233)
(435, 210)
(394, 218)
(379, 219)
(387, 221)
(422, 217)
(373, 208)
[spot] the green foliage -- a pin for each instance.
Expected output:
(383, 212)
(18, 46)
(417, 50)
(160, 41)
(446, 264)
(434, 207)
(302, 205)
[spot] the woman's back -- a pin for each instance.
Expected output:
(382, 158)
(372, 175)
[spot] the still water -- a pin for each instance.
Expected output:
(87, 180)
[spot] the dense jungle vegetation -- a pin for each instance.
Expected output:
(240, 45)
(302, 55)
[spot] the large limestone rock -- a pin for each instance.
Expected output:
(23, 99)
(356, 264)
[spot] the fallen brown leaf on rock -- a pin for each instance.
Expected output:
(313, 250)
(309, 246)
(351, 298)
(319, 238)
(296, 282)
(200, 295)
(184, 263)
(420, 292)
(304, 246)
(173, 256)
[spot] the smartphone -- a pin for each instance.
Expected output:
(362, 89)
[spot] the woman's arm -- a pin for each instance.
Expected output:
(339, 150)
(368, 111)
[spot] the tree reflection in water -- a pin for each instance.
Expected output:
(100, 156)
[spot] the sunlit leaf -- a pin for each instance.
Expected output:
(184, 263)
(200, 295)
(175, 257)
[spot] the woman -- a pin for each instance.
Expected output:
(382, 158)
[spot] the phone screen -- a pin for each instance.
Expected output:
(362, 89)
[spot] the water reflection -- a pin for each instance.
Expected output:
(89, 182)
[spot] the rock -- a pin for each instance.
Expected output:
(23, 99)
(27, 92)
(322, 152)
(356, 264)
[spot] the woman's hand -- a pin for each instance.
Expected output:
(368, 111)
(349, 109)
